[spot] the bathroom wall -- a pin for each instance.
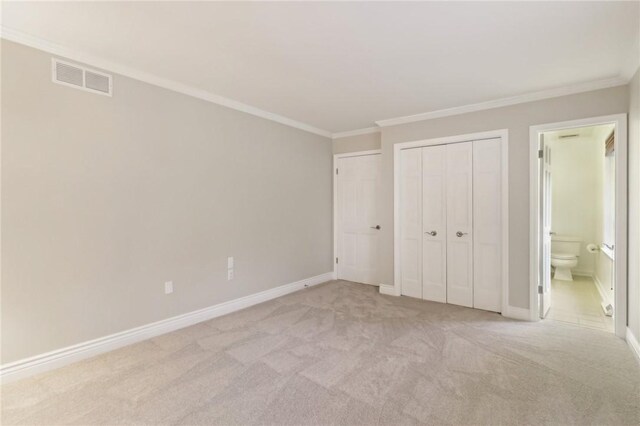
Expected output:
(603, 277)
(577, 167)
(604, 267)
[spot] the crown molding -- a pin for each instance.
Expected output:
(356, 132)
(514, 100)
(63, 51)
(59, 50)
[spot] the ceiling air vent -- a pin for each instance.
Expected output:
(77, 76)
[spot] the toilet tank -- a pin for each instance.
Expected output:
(566, 244)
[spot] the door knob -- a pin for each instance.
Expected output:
(432, 233)
(375, 227)
(460, 234)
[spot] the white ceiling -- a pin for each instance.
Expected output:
(343, 66)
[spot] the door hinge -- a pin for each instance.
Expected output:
(336, 260)
(336, 171)
(540, 290)
(540, 153)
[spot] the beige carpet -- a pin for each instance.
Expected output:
(340, 353)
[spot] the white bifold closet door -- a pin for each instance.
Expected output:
(451, 223)
(460, 223)
(411, 222)
(434, 223)
(487, 226)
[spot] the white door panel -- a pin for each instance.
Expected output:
(460, 223)
(545, 238)
(411, 222)
(358, 184)
(434, 224)
(487, 225)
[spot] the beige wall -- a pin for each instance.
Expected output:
(516, 119)
(104, 199)
(634, 205)
(356, 143)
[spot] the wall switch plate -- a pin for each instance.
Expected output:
(229, 274)
(168, 287)
(229, 262)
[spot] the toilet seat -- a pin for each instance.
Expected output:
(563, 256)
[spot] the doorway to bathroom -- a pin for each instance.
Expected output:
(578, 232)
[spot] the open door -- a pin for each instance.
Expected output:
(545, 229)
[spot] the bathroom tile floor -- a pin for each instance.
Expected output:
(578, 302)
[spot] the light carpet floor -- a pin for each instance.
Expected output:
(340, 353)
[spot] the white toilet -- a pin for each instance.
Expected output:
(565, 251)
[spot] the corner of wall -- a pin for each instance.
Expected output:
(632, 341)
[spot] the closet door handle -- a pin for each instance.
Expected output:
(432, 233)
(460, 234)
(375, 227)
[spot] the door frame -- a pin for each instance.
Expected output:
(620, 262)
(503, 134)
(334, 173)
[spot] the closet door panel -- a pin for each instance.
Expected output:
(411, 222)
(459, 164)
(434, 224)
(487, 225)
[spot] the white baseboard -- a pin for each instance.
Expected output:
(389, 290)
(601, 290)
(517, 313)
(633, 343)
(599, 287)
(61, 357)
(581, 273)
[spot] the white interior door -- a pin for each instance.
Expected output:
(434, 223)
(459, 163)
(358, 225)
(487, 225)
(411, 222)
(545, 237)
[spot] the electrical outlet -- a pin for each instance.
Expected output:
(168, 287)
(229, 262)
(229, 274)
